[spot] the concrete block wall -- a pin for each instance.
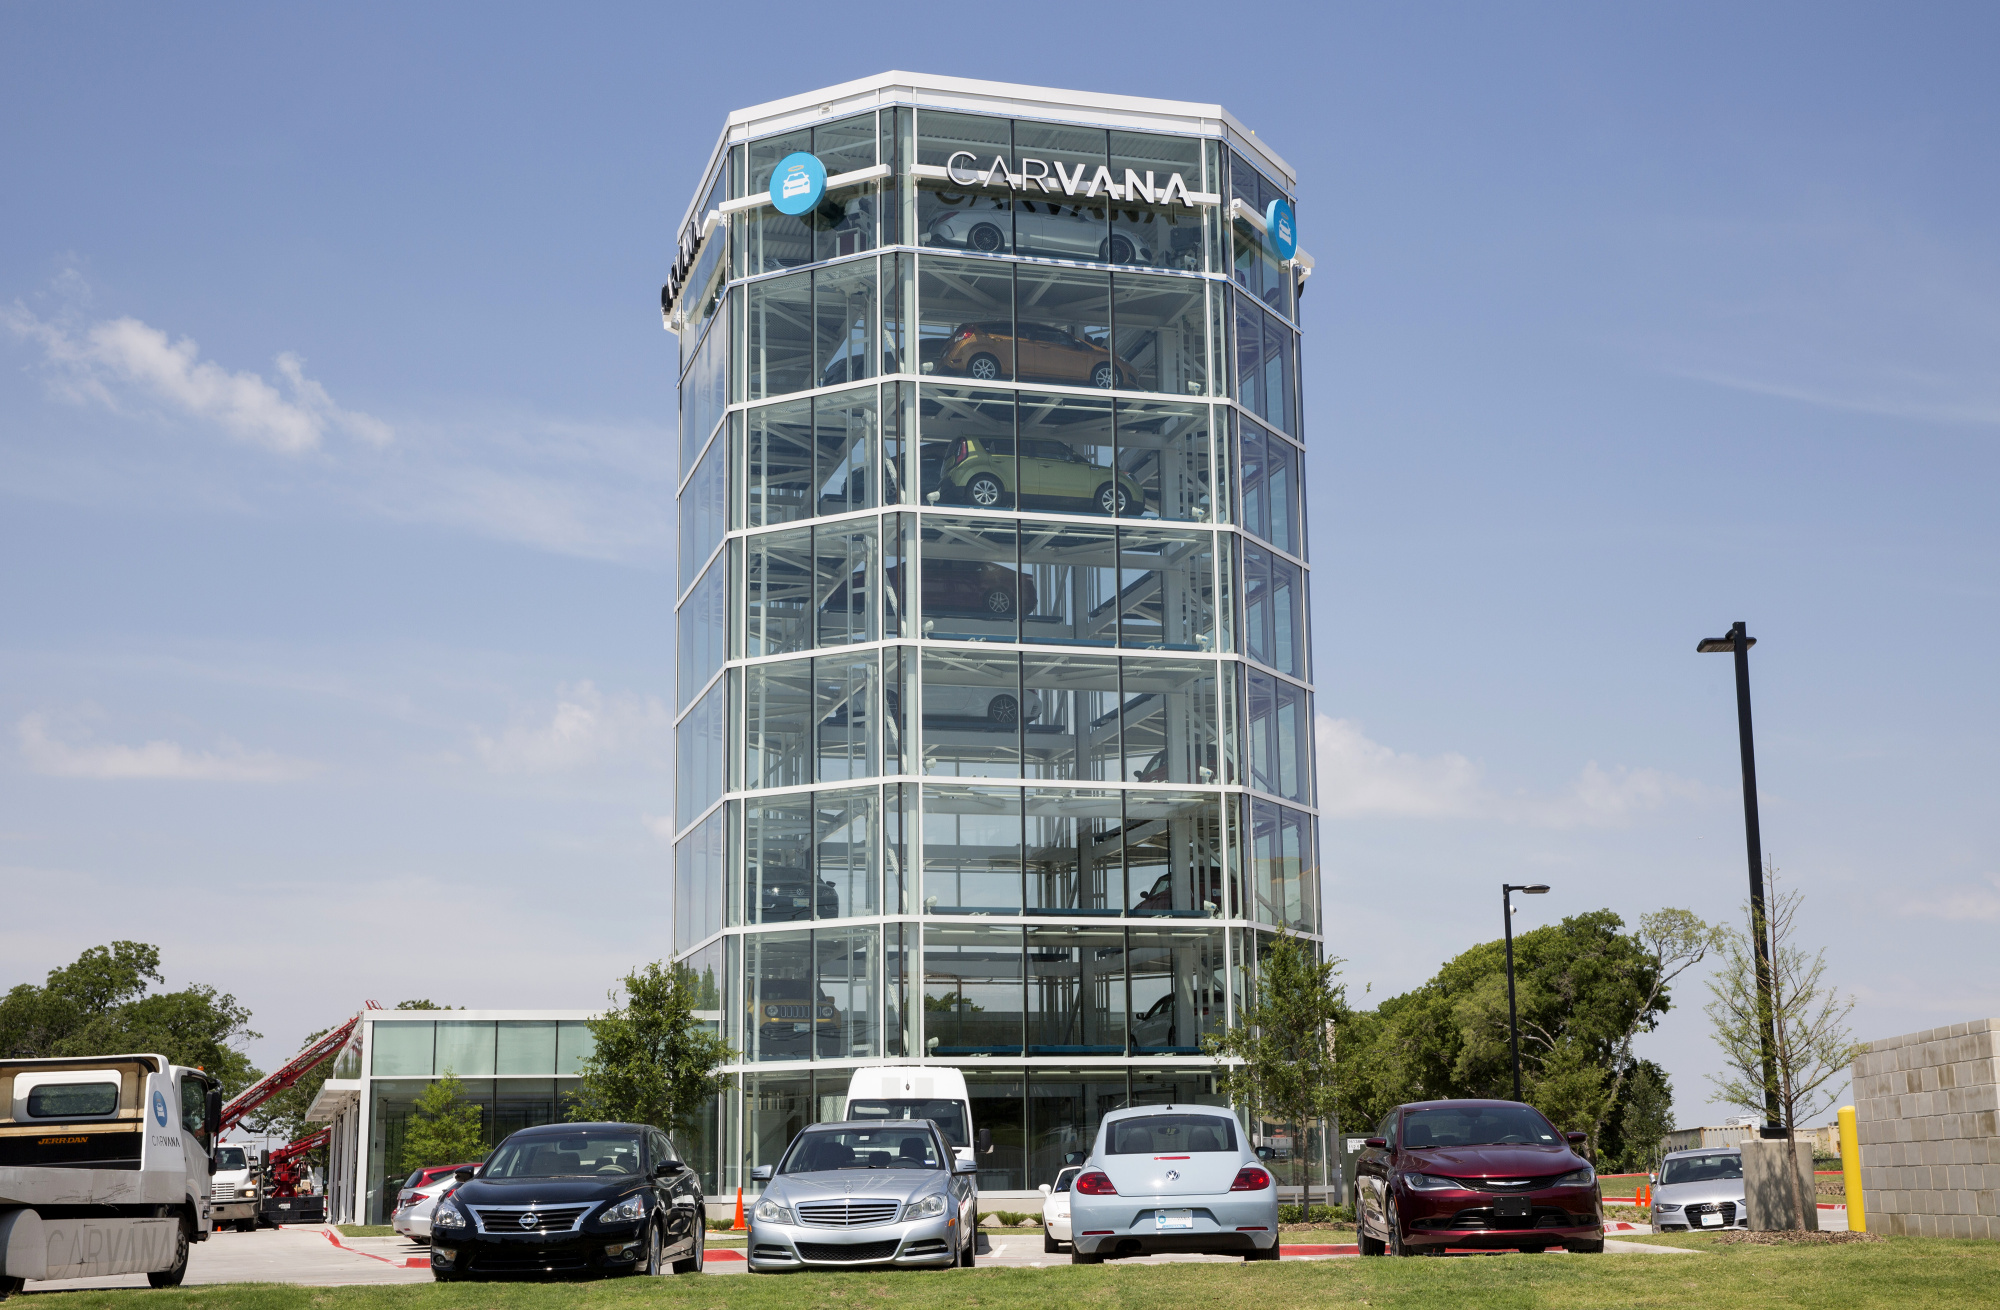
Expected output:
(1927, 1109)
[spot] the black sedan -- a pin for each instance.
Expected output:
(598, 1198)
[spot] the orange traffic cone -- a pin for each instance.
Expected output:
(739, 1211)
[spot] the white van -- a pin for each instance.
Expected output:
(918, 1091)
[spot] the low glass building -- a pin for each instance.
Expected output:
(517, 1066)
(994, 688)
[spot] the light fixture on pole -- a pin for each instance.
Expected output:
(1513, 1023)
(1738, 643)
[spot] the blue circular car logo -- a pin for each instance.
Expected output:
(160, 1108)
(798, 183)
(1282, 226)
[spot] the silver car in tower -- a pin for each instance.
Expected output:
(1172, 1178)
(865, 1192)
(1700, 1190)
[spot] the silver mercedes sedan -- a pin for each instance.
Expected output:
(1700, 1189)
(865, 1193)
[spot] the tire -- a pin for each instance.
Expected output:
(1397, 1247)
(999, 602)
(171, 1277)
(1118, 250)
(985, 238)
(1049, 1244)
(986, 492)
(1111, 499)
(10, 1285)
(1004, 709)
(1077, 1257)
(1258, 1253)
(1369, 1245)
(652, 1268)
(692, 1263)
(970, 1254)
(984, 367)
(1585, 1248)
(1103, 377)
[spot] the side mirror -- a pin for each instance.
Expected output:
(761, 1174)
(211, 1120)
(1576, 1138)
(1379, 1143)
(1046, 1189)
(965, 1166)
(667, 1167)
(986, 1141)
(462, 1176)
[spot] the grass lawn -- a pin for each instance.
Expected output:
(364, 1230)
(1904, 1273)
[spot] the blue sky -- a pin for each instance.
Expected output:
(335, 420)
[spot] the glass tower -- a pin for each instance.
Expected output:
(994, 686)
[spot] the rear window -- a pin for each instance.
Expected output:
(1171, 1134)
(63, 1100)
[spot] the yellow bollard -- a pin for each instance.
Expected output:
(1850, 1165)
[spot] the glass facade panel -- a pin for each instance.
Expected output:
(844, 565)
(1173, 854)
(1163, 453)
(1071, 570)
(1160, 341)
(786, 1006)
(1271, 489)
(1166, 588)
(464, 1047)
(1274, 610)
(1282, 869)
(846, 344)
(704, 511)
(1257, 269)
(1172, 721)
(574, 1044)
(844, 437)
(777, 724)
(778, 593)
(701, 744)
(1000, 1105)
(972, 990)
(774, 240)
(1153, 226)
(400, 1049)
(699, 881)
(1073, 735)
(1068, 458)
(701, 629)
(1265, 371)
(1074, 855)
(779, 884)
(972, 586)
(847, 849)
(778, 484)
(1076, 991)
(845, 694)
(1178, 987)
(849, 964)
(844, 223)
(1063, 328)
(779, 337)
(1278, 737)
(704, 392)
(1053, 217)
(971, 849)
(961, 212)
(1065, 1108)
(973, 712)
(965, 318)
(966, 448)
(526, 1046)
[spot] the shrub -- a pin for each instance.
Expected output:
(1321, 1214)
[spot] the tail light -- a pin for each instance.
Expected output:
(965, 334)
(1250, 1179)
(1094, 1183)
(963, 450)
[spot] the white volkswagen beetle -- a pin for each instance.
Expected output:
(1055, 1210)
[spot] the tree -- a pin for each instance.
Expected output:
(421, 1005)
(654, 1062)
(1285, 1040)
(1674, 941)
(1811, 1042)
(1643, 1120)
(442, 1129)
(98, 1005)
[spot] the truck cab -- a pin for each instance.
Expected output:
(233, 1189)
(104, 1167)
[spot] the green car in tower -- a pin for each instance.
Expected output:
(983, 472)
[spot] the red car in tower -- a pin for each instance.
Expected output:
(1474, 1174)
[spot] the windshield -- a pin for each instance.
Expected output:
(1702, 1169)
(1176, 1133)
(228, 1159)
(1063, 1179)
(1477, 1125)
(861, 1148)
(949, 1116)
(573, 1155)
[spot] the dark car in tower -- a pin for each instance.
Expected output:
(1474, 1174)
(580, 1198)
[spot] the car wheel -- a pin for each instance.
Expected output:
(1077, 1257)
(1259, 1253)
(1585, 1248)
(1111, 499)
(1102, 377)
(1004, 709)
(986, 237)
(1118, 250)
(1396, 1244)
(999, 601)
(651, 1268)
(970, 1254)
(985, 491)
(10, 1285)
(1369, 1245)
(984, 367)
(172, 1275)
(1049, 1244)
(694, 1260)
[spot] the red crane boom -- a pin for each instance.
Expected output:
(288, 1076)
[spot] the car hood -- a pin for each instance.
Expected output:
(1512, 1161)
(544, 1191)
(835, 1183)
(1714, 1189)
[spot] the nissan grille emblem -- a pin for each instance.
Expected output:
(1173, 1175)
(530, 1219)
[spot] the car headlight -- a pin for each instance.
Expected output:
(926, 1207)
(448, 1216)
(1583, 1177)
(1431, 1183)
(771, 1212)
(1666, 1207)
(630, 1210)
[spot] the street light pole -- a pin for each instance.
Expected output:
(1738, 643)
(1513, 1022)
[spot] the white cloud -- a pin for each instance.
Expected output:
(1361, 778)
(118, 362)
(1960, 904)
(660, 825)
(585, 728)
(50, 755)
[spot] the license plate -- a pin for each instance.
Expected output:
(1711, 1221)
(1174, 1218)
(1513, 1207)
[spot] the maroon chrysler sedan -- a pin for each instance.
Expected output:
(1474, 1174)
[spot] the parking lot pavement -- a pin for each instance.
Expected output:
(280, 1255)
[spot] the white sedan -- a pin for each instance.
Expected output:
(1055, 1210)
(413, 1219)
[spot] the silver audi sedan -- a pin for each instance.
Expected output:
(1172, 1178)
(1700, 1189)
(865, 1193)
